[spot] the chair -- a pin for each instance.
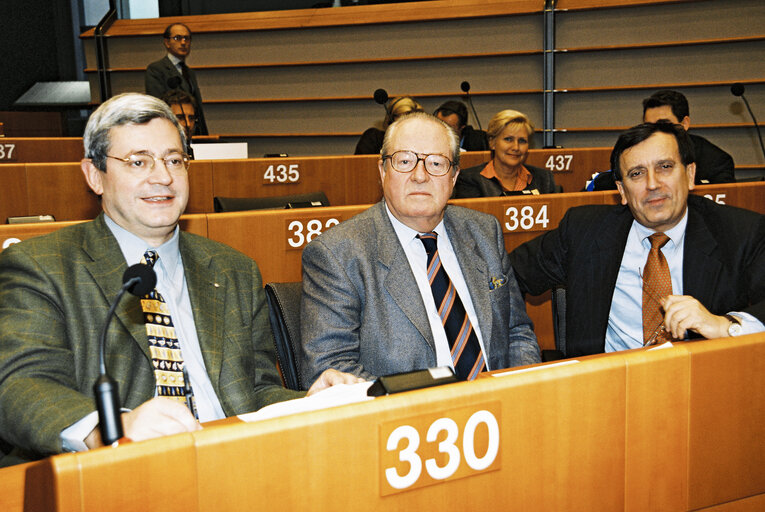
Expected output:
(237, 204)
(559, 325)
(284, 314)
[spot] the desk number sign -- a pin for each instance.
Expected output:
(433, 448)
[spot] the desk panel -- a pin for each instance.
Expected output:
(14, 191)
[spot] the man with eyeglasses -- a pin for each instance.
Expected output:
(664, 265)
(171, 71)
(207, 317)
(184, 107)
(413, 283)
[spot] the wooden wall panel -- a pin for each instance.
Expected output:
(14, 191)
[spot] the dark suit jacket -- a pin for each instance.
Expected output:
(370, 142)
(55, 291)
(362, 311)
(470, 183)
(723, 264)
(474, 140)
(157, 75)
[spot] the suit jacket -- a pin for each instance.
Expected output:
(474, 140)
(470, 183)
(55, 291)
(362, 311)
(157, 75)
(723, 264)
(370, 142)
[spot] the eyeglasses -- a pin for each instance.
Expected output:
(406, 161)
(187, 117)
(178, 39)
(143, 163)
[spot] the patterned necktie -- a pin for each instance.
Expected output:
(164, 346)
(657, 283)
(467, 356)
(186, 76)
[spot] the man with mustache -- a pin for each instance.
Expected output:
(713, 254)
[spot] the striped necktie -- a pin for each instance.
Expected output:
(467, 356)
(164, 346)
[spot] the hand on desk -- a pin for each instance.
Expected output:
(330, 378)
(683, 313)
(158, 417)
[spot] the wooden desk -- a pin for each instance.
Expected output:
(676, 428)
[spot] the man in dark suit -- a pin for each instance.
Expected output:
(368, 307)
(715, 254)
(454, 113)
(171, 71)
(55, 291)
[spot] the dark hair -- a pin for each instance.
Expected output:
(169, 28)
(178, 97)
(641, 132)
(674, 99)
(454, 107)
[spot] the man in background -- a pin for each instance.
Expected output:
(454, 113)
(171, 71)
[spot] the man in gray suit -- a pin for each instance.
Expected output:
(368, 307)
(171, 71)
(55, 291)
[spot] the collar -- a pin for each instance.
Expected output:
(522, 181)
(676, 234)
(175, 60)
(133, 247)
(406, 234)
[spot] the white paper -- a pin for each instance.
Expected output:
(340, 394)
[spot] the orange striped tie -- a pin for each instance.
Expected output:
(657, 284)
(467, 356)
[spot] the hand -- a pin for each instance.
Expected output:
(331, 377)
(683, 313)
(158, 417)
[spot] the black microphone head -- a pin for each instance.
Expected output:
(381, 96)
(174, 82)
(465, 86)
(737, 89)
(147, 279)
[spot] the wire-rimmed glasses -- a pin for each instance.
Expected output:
(405, 161)
(143, 163)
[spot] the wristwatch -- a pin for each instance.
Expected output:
(734, 329)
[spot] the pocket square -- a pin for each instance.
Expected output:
(496, 282)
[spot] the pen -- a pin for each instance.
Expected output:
(189, 393)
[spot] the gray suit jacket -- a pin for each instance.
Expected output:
(157, 75)
(55, 291)
(362, 311)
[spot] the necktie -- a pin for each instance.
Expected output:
(186, 76)
(466, 352)
(164, 346)
(657, 283)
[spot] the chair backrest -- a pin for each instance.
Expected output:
(284, 313)
(559, 318)
(237, 204)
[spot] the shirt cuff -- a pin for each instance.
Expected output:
(749, 323)
(73, 436)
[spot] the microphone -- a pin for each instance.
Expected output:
(381, 96)
(139, 279)
(737, 89)
(465, 86)
(174, 82)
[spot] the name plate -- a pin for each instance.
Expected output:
(432, 448)
(301, 231)
(531, 217)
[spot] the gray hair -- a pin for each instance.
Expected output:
(454, 141)
(128, 108)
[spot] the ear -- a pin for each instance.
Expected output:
(166, 42)
(93, 176)
(686, 123)
(690, 169)
(620, 188)
(491, 143)
(381, 168)
(456, 173)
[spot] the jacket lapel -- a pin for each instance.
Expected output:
(107, 266)
(699, 259)
(474, 270)
(207, 293)
(399, 281)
